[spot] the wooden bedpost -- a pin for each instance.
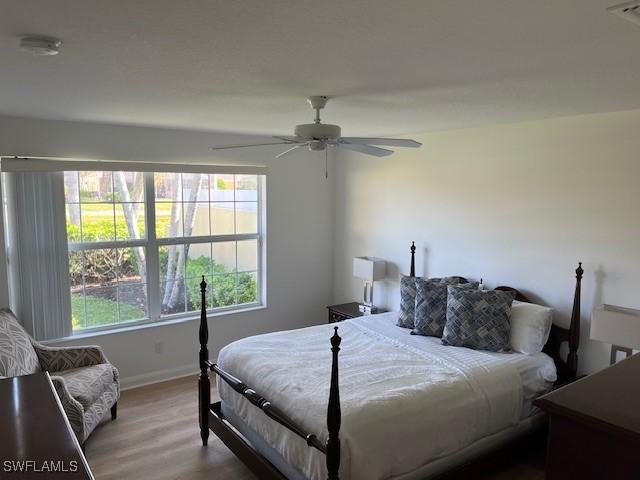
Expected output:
(204, 385)
(333, 413)
(574, 327)
(412, 272)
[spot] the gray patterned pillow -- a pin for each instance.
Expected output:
(407, 301)
(478, 319)
(431, 304)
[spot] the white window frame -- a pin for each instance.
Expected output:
(152, 246)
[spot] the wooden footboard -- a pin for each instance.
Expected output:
(211, 416)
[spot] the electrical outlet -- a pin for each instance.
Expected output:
(157, 347)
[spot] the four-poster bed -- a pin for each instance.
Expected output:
(231, 429)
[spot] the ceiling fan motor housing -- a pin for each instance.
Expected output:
(318, 131)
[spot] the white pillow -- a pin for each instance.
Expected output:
(530, 327)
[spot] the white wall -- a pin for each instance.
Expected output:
(299, 234)
(517, 204)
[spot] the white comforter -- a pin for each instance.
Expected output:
(402, 406)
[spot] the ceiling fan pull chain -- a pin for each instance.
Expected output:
(326, 163)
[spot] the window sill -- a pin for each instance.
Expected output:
(148, 325)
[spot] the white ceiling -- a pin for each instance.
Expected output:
(246, 66)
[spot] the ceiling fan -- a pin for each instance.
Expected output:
(317, 136)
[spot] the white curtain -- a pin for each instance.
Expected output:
(37, 253)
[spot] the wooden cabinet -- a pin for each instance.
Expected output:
(594, 425)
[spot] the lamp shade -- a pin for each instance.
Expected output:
(616, 325)
(369, 268)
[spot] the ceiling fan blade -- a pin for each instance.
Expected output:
(391, 142)
(289, 139)
(226, 147)
(367, 149)
(290, 150)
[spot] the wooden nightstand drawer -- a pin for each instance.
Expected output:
(345, 311)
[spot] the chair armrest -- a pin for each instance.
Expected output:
(72, 408)
(56, 359)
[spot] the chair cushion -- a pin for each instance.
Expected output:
(87, 384)
(17, 356)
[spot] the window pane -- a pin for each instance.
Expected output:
(78, 319)
(224, 257)
(224, 290)
(196, 219)
(71, 187)
(167, 187)
(172, 294)
(246, 217)
(128, 186)
(247, 255)
(246, 188)
(247, 287)
(222, 218)
(169, 220)
(130, 221)
(76, 270)
(131, 265)
(73, 223)
(222, 187)
(97, 222)
(96, 187)
(171, 259)
(102, 306)
(195, 187)
(100, 266)
(198, 260)
(132, 302)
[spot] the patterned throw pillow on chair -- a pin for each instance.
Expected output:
(407, 301)
(431, 304)
(478, 319)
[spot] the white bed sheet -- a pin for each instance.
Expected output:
(393, 386)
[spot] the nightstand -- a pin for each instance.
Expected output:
(345, 311)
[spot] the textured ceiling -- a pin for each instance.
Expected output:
(246, 66)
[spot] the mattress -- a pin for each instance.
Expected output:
(407, 401)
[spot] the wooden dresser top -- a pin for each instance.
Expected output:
(609, 399)
(37, 439)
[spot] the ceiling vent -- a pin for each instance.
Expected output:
(629, 11)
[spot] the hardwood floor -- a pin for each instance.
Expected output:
(156, 436)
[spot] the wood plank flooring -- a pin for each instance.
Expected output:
(156, 436)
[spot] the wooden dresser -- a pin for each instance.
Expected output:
(36, 438)
(594, 425)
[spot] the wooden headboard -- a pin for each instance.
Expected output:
(567, 368)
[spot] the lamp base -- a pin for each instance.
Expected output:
(614, 352)
(367, 309)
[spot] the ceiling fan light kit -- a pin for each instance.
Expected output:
(317, 136)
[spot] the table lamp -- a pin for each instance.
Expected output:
(370, 269)
(618, 326)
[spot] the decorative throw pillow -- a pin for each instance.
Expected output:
(478, 319)
(431, 304)
(407, 301)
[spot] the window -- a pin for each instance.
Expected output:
(140, 242)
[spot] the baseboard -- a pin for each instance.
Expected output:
(127, 383)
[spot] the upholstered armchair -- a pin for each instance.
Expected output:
(86, 383)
